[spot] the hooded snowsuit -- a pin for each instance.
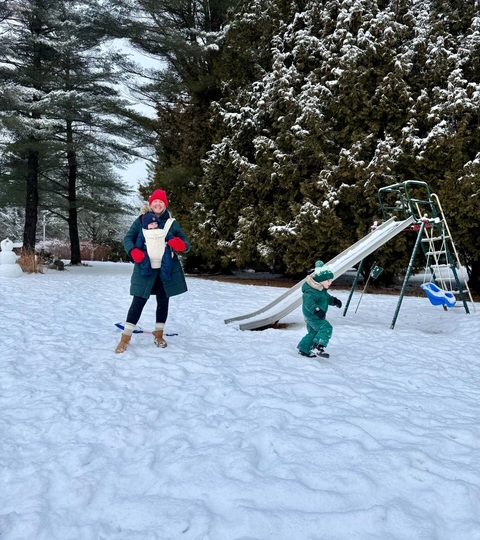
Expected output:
(314, 307)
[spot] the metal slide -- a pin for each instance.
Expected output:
(291, 299)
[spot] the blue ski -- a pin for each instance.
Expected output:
(140, 331)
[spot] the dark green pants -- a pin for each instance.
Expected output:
(319, 332)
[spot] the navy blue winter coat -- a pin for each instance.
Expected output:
(141, 285)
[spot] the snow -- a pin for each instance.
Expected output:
(230, 435)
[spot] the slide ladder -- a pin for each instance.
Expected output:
(443, 262)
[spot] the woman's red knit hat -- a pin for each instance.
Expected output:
(158, 194)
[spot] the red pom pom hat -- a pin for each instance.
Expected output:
(158, 194)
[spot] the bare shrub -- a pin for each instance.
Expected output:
(111, 250)
(30, 263)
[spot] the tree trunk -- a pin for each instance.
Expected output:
(75, 256)
(32, 154)
(31, 202)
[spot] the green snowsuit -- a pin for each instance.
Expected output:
(314, 307)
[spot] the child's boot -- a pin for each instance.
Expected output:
(320, 351)
(307, 354)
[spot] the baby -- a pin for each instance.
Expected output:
(153, 241)
(149, 221)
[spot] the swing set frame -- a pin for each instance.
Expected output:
(414, 198)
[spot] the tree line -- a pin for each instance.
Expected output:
(277, 121)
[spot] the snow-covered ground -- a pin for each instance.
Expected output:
(230, 435)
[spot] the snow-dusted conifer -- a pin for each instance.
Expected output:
(185, 37)
(61, 110)
(350, 96)
(26, 77)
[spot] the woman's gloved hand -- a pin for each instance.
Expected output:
(137, 255)
(177, 244)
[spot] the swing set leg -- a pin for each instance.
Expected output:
(408, 273)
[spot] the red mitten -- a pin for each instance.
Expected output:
(137, 255)
(177, 244)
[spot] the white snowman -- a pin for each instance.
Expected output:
(8, 260)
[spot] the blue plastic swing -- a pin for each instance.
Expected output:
(437, 296)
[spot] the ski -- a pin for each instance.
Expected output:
(141, 331)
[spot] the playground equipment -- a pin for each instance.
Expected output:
(437, 296)
(374, 273)
(292, 298)
(405, 206)
(434, 238)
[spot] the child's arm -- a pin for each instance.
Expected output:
(333, 301)
(317, 303)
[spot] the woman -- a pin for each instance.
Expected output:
(153, 241)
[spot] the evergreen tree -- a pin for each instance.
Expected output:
(353, 95)
(185, 36)
(233, 219)
(82, 121)
(26, 67)
(11, 223)
(452, 152)
(90, 117)
(316, 118)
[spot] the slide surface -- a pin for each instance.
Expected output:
(291, 299)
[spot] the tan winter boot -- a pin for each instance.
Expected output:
(158, 339)
(123, 343)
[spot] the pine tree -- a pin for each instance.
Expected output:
(81, 119)
(26, 69)
(90, 117)
(185, 36)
